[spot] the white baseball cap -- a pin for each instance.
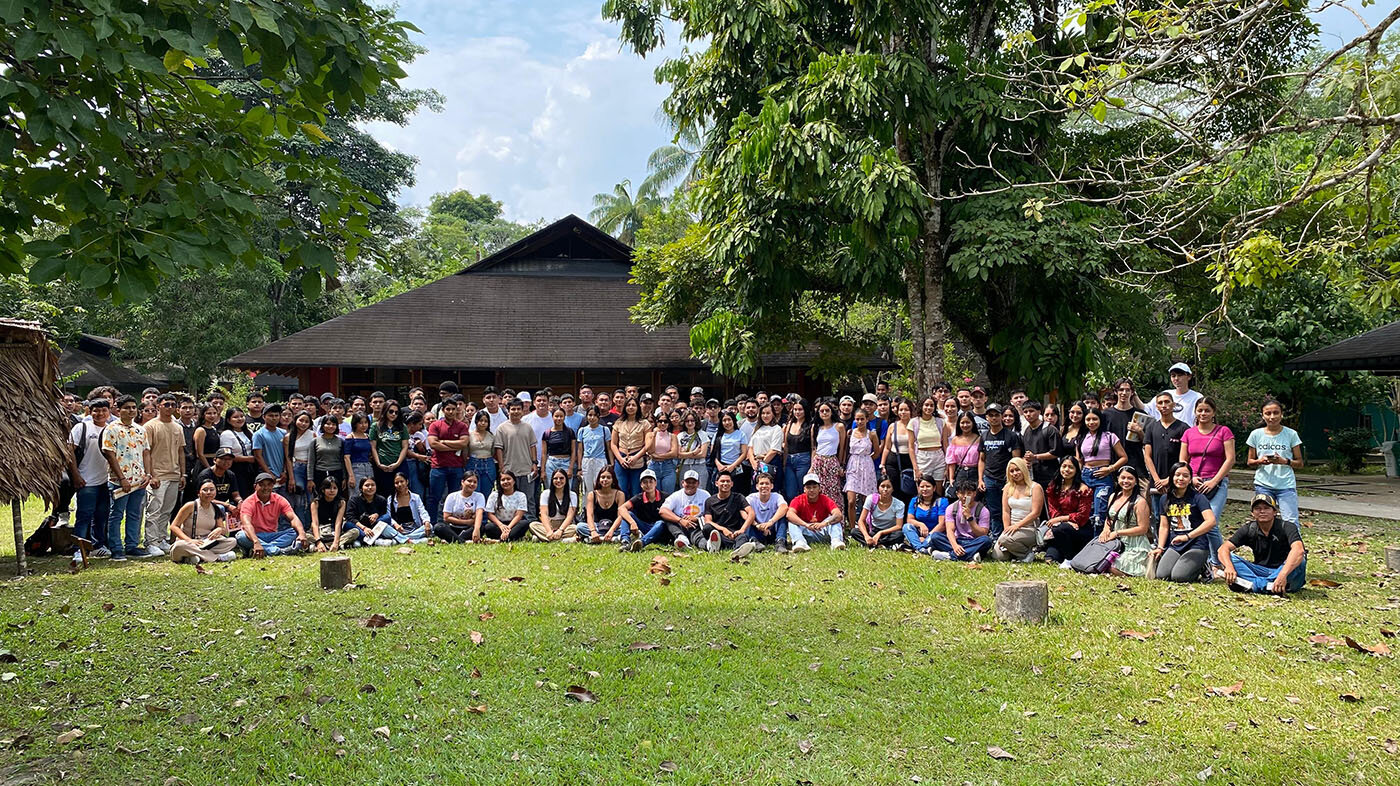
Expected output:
(691, 475)
(1182, 367)
(648, 474)
(524, 395)
(811, 477)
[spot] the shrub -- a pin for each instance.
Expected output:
(1349, 447)
(1240, 400)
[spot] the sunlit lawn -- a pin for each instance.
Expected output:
(829, 668)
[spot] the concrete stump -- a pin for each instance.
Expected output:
(335, 572)
(1392, 559)
(1023, 601)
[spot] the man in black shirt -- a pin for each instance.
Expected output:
(1161, 449)
(225, 486)
(1042, 443)
(1280, 561)
(1126, 420)
(643, 513)
(727, 515)
(998, 446)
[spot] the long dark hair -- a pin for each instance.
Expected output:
(397, 426)
(558, 505)
(1076, 480)
(1137, 484)
(230, 412)
(636, 415)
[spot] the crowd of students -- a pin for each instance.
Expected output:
(1103, 486)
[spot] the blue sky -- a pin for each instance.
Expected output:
(543, 109)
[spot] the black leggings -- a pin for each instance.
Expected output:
(489, 529)
(1067, 542)
(455, 534)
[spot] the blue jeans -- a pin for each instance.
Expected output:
(301, 501)
(485, 470)
(415, 535)
(283, 541)
(831, 534)
(1262, 577)
(441, 482)
(94, 508)
(665, 474)
(628, 480)
(797, 465)
(1217, 506)
(650, 531)
(1287, 501)
(131, 507)
(1103, 488)
(971, 546)
(992, 499)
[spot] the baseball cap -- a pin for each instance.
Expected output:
(646, 397)
(811, 477)
(993, 407)
(275, 409)
(327, 396)
(223, 452)
(524, 395)
(869, 397)
(978, 389)
(1267, 499)
(264, 476)
(714, 402)
(691, 475)
(697, 391)
(793, 398)
(646, 473)
(1182, 367)
(847, 400)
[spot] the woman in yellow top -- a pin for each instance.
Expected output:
(930, 432)
(629, 444)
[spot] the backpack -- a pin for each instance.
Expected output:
(1097, 556)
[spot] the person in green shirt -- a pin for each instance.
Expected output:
(389, 440)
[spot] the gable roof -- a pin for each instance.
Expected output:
(1375, 350)
(570, 236)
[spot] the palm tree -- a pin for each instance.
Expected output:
(668, 164)
(619, 214)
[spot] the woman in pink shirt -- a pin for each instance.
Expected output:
(1208, 448)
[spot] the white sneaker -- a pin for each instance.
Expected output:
(743, 551)
(227, 556)
(1065, 565)
(682, 543)
(839, 546)
(801, 547)
(101, 552)
(977, 557)
(153, 551)
(714, 542)
(941, 556)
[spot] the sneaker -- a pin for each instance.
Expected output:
(757, 546)
(714, 542)
(977, 557)
(941, 556)
(743, 551)
(227, 556)
(635, 545)
(153, 551)
(682, 543)
(1065, 565)
(119, 557)
(101, 552)
(782, 547)
(799, 548)
(840, 546)
(624, 546)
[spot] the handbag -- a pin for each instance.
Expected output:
(908, 484)
(1097, 556)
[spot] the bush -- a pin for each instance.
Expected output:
(1240, 401)
(1349, 447)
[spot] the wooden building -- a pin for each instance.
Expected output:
(550, 310)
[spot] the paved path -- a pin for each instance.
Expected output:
(1349, 495)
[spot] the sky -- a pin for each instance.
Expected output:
(543, 108)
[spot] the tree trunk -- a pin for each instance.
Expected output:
(21, 569)
(924, 285)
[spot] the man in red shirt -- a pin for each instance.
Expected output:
(261, 514)
(814, 515)
(447, 437)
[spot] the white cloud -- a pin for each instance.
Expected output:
(541, 111)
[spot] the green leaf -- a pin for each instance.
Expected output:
(1099, 111)
(310, 284)
(94, 275)
(46, 270)
(315, 130)
(12, 11)
(72, 41)
(264, 19)
(172, 60)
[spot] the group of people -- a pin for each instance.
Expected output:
(1115, 486)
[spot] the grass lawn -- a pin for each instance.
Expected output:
(823, 668)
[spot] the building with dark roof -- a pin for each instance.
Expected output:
(87, 362)
(1376, 350)
(550, 310)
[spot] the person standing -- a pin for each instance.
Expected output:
(999, 445)
(389, 438)
(1275, 450)
(797, 448)
(1161, 449)
(128, 456)
(1185, 398)
(268, 450)
(446, 438)
(517, 452)
(88, 467)
(1127, 420)
(1042, 444)
(629, 441)
(1208, 448)
(167, 443)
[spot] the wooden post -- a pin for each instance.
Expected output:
(1392, 559)
(1023, 601)
(21, 569)
(335, 572)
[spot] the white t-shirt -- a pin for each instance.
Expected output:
(1186, 405)
(683, 504)
(539, 424)
(461, 506)
(93, 468)
(765, 511)
(497, 418)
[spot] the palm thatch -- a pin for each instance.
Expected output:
(32, 425)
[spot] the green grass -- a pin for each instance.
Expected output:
(876, 660)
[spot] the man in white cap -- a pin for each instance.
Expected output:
(683, 510)
(813, 515)
(1185, 397)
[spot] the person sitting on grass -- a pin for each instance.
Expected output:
(881, 519)
(1022, 504)
(925, 510)
(601, 507)
(463, 512)
(558, 506)
(682, 510)
(328, 517)
(643, 513)
(362, 511)
(1069, 504)
(261, 512)
(407, 517)
(1129, 519)
(727, 517)
(1181, 533)
(814, 516)
(200, 534)
(964, 533)
(505, 511)
(769, 515)
(1280, 561)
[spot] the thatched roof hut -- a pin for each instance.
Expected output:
(33, 428)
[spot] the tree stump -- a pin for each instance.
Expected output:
(1023, 601)
(335, 572)
(1392, 559)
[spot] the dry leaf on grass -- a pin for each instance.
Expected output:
(805, 746)
(1135, 635)
(1350, 698)
(974, 605)
(1324, 583)
(1323, 638)
(998, 753)
(516, 579)
(659, 565)
(376, 621)
(478, 638)
(1379, 648)
(479, 709)
(638, 646)
(668, 766)
(404, 550)
(382, 731)
(1225, 690)
(69, 736)
(580, 694)
(486, 615)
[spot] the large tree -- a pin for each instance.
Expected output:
(1011, 168)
